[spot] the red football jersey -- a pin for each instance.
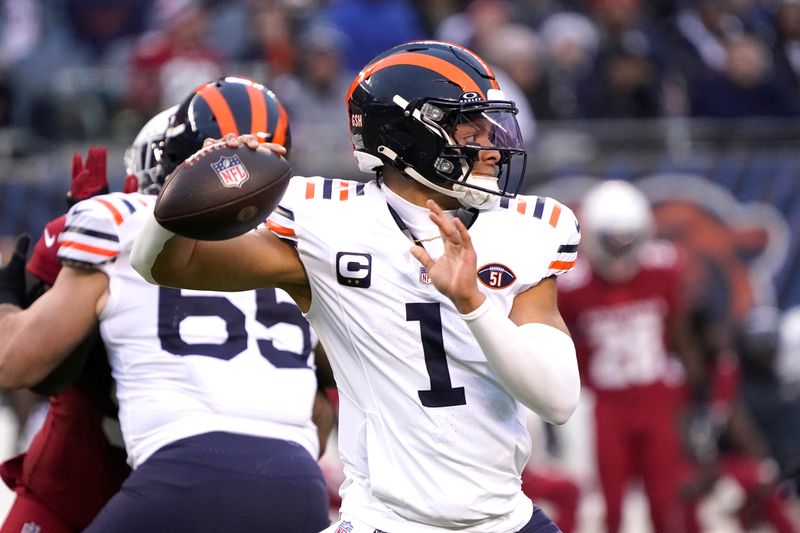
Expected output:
(620, 329)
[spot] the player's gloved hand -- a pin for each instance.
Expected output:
(12, 274)
(131, 184)
(89, 180)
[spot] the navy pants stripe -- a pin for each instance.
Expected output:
(220, 482)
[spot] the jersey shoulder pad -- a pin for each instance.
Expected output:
(305, 191)
(91, 235)
(557, 219)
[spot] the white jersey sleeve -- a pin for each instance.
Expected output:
(95, 229)
(560, 223)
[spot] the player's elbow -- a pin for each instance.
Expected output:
(559, 412)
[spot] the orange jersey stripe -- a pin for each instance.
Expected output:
(522, 206)
(562, 265)
(281, 230)
(220, 110)
(114, 211)
(555, 214)
(310, 189)
(279, 135)
(258, 111)
(448, 70)
(87, 248)
(344, 191)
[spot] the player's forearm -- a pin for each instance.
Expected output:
(23, 345)
(535, 362)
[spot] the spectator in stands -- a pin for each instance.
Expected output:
(270, 37)
(475, 27)
(570, 43)
(178, 45)
(786, 48)
(745, 87)
(517, 50)
(626, 79)
(313, 100)
(701, 29)
(373, 26)
(98, 24)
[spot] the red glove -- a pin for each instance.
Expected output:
(90, 180)
(131, 184)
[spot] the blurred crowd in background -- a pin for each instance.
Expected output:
(694, 100)
(82, 69)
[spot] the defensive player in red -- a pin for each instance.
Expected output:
(71, 468)
(624, 310)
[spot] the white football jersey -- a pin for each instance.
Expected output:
(187, 362)
(429, 438)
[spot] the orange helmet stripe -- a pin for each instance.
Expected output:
(279, 135)
(445, 68)
(258, 111)
(220, 109)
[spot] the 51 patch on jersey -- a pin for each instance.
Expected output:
(496, 276)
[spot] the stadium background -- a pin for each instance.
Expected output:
(696, 101)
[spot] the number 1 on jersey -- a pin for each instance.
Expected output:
(442, 393)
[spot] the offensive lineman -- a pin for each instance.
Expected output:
(215, 391)
(436, 344)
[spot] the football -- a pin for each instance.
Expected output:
(222, 192)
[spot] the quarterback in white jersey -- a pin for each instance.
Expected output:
(215, 390)
(441, 326)
(425, 428)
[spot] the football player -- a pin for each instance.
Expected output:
(432, 288)
(215, 391)
(625, 311)
(71, 467)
